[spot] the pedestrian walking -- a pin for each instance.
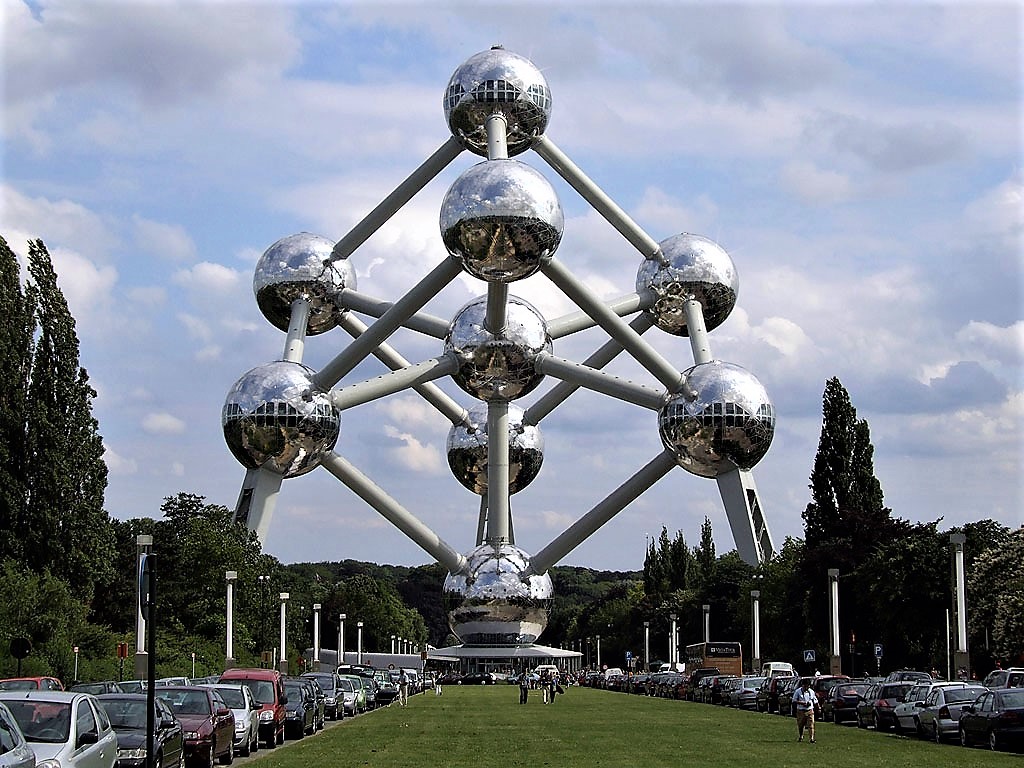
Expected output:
(806, 702)
(403, 687)
(524, 687)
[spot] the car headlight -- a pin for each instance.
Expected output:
(239, 725)
(51, 763)
(266, 716)
(188, 735)
(132, 754)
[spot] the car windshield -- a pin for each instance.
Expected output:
(894, 691)
(19, 685)
(94, 688)
(262, 690)
(851, 690)
(346, 685)
(961, 694)
(46, 722)
(1012, 699)
(326, 682)
(186, 703)
(233, 697)
(125, 713)
(294, 693)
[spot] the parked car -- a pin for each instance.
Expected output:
(767, 699)
(31, 684)
(134, 686)
(995, 717)
(349, 692)
(822, 684)
(320, 702)
(786, 688)
(745, 696)
(208, 723)
(907, 711)
(478, 678)
(840, 703)
(300, 711)
(1004, 678)
(907, 675)
(328, 682)
(64, 728)
(387, 688)
(246, 710)
(690, 682)
(940, 716)
(876, 708)
(716, 688)
(177, 680)
(127, 714)
(14, 749)
(96, 689)
(267, 687)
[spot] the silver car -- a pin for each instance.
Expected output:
(940, 716)
(240, 701)
(65, 729)
(907, 711)
(14, 750)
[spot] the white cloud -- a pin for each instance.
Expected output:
(208, 278)
(814, 186)
(117, 464)
(162, 424)
(412, 413)
(413, 454)
(167, 241)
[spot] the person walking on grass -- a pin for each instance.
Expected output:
(524, 687)
(806, 702)
(403, 687)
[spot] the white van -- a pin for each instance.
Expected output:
(777, 669)
(551, 669)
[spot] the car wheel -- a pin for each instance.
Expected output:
(246, 749)
(228, 757)
(255, 746)
(965, 740)
(993, 741)
(280, 735)
(936, 733)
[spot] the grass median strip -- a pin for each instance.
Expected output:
(474, 726)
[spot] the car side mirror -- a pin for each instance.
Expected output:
(89, 737)
(968, 708)
(166, 722)
(254, 706)
(918, 703)
(223, 711)
(282, 700)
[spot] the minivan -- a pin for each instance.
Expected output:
(777, 669)
(267, 686)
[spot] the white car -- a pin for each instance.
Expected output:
(65, 729)
(908, 710)
(14, 750)
(240, 701)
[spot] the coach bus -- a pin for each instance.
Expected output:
(727, 657)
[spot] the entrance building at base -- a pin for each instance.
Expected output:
(461, 658)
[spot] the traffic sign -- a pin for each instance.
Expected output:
(809, 656)
(878, 650)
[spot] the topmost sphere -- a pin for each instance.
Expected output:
(497, 81)
(300, 267)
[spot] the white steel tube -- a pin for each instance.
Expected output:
(295, 343)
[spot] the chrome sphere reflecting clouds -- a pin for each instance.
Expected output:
(467, 451)
(500, 219)
(494, 602)
(498, 367)
(721, 419)
(497, 81)
(696, 267)
(275, 418)
(299, 266)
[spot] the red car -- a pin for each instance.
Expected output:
(208, 722)
(31, 684)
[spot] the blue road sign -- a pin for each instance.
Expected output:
(809, 656)
(878, 650)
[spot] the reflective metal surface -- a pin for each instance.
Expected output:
(500, 219)
(274, 418)
(299, 266)
(498, 367)
(721, 419)
(493, 602)
(696, 267)
(497, 80)
(467, 451)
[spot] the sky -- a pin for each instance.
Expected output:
(860, 162)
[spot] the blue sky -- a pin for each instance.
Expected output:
(860, 162)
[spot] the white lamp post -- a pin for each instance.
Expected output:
(282, 659)
(229, 655)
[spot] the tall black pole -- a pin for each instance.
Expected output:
(150, 597)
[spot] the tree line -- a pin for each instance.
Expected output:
(68, 570)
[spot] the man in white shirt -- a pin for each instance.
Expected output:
(806, 702)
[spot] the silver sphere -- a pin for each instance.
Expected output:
(275, 418)
(498, 367)
(697, 268)
(299, 266)
(467, 451)
(497, 81)
(494, 602)
(721, 420)
(500, 219)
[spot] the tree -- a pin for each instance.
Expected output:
(66, 527)
(16, 350)
(995, 586)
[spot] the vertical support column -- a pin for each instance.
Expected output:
(599, 652)
(707, 622)
(961, 657)
(341, 638)
(497, 473)
(316, 637)
(229, 645)
(834, 660)
(755, 620)
(647, 646)
(143, 545)
(359, 642)
(673, 656)
(282, 659)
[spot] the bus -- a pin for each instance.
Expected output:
(727, 657)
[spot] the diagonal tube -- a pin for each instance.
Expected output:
(599, 381)
(295, 342)
(374, 307)
(395, 381)
(581, 321)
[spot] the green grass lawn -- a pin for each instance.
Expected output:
(484, 726)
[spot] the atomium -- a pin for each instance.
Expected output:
(501, 222)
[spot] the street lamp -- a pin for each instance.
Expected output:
(672, 650)
(835, 663)
(341, 638)
(316, 637)
(229, 656)
(282, 660)
(647, 646)
(359, 642)
(265, 611)
(755, 620)
(707, 623)
(962, 659)
(599, 652)
(393, 637)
